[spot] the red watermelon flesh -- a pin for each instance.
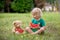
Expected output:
(34, 25)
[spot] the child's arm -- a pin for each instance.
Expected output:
(13, 30)
(41, 30)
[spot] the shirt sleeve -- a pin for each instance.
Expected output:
(43, 23)
(32, 20)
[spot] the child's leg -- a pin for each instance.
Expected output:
(40, 30)
(29, 30)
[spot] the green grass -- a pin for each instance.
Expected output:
(52, 21)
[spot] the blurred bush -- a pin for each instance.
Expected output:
(22, 5)
(1, 4)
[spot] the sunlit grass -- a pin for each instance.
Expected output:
(52, 21)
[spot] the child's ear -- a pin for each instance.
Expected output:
(14, 23)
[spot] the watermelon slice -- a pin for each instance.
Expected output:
(34, 25)
(19, 30)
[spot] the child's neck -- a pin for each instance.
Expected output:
(37, 19)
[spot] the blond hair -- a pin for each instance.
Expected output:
(37, 10)
(16, 21)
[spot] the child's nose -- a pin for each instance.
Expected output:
(18, 25)
(34, 16)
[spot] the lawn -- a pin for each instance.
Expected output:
(51, 33)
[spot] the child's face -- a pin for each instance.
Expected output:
(17, 24)
(36, 15)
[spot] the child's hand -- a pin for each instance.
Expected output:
(17, 32)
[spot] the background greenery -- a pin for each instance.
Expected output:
(1, 4)
(20, 5)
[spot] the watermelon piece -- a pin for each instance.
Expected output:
(34, 25)
(19, 30)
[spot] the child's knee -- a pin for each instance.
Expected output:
(43, 28)
(27, 28)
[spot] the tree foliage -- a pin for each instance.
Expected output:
(22, 5)
(1, 4)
